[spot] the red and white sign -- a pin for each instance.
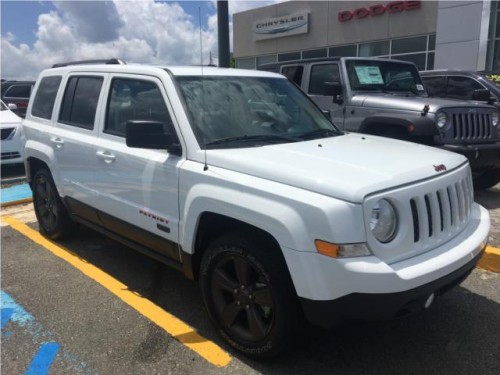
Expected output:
(378, 10)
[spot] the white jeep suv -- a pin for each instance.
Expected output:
(237, 179)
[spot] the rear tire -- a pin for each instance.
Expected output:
(487, 179)
(249, 295)
(52, 216)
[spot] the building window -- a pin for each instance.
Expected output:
(344, 51)
(261, 60)
(409, 45)
(417, 58)
(430, 61)
(289, 56)
(314, 53)
(432, 42)
(246, 63)
(374, 48)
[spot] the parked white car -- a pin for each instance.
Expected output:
(239, 180)
(12, 136)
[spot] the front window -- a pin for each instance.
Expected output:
(250, 111)
(384, 76)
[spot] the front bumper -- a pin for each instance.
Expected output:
(383, 306)
(12, 151)
(480, 156)
(368, 287)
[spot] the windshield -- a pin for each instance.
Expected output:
(493, 78)
(373, 75)
(250, 111)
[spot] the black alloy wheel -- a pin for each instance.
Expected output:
(249, 296)
(51, 214)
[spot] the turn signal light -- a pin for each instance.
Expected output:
(327, 248)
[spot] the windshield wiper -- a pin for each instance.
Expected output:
(254, 138)
(319, 133)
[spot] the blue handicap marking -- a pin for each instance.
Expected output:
(40, 364)
(48, 349)
(6, 315)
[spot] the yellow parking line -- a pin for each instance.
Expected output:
(490, 260)
(172, 325)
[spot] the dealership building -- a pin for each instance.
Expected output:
(432, 34)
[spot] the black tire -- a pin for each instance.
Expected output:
(249, 295)
(52, 216)
(487, 179)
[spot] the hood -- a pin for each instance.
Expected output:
(9, 119)
(411, 102)
(347, 167)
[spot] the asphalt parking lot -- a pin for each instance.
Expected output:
(86, 307)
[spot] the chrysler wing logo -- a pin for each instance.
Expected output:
(440, 168)
(287, 25)
(279, 28)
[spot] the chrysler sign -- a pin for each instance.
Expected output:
(281, 26)
(378, 10)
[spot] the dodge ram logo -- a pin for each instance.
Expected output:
(440, 168)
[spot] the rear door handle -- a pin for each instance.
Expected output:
(57, 141)
(107, 156)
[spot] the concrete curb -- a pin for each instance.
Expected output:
(490, 261)
(15, 203)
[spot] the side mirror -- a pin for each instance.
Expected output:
(151, 135)
(481, 95)
(335, 89)
(12, 106)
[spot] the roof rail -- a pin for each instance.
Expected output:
(113, 61)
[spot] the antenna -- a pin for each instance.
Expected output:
(205, 166)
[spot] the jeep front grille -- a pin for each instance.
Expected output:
(430, 213)
(441, 212)
(471, 126)
(6, 132)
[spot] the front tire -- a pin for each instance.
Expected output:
(52, 216)
(487, 179)
(249, 295)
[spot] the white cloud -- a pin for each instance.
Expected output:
(137, 31)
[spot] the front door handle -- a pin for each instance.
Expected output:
(57, 141)
(107, 156)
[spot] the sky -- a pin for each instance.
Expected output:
(37, 34)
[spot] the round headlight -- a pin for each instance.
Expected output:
(494, 118)
(383, 221)
(441, 119)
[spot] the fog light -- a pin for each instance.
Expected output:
(429, 301)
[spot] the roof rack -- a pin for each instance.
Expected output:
(113, 61)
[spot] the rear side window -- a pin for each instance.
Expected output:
(18, 91)
(294, 73)
(435, 86)
(45, 97)
(322, 78)
(131, 99)
(80, 100)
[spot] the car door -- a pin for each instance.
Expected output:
(137, 188)
(73, 136)
(322, 76)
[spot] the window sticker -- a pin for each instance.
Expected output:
(369, 75)
(420, 87)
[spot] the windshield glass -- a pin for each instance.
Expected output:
(250, 111)
(493, 78)
(373, 75)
